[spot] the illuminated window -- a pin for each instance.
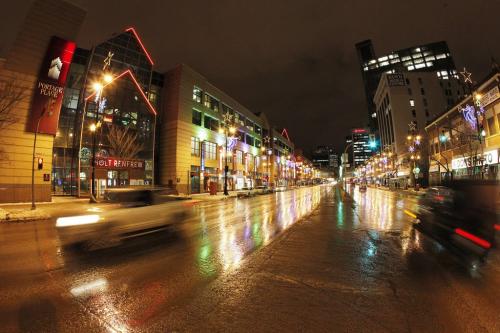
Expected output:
(239, 157)
(197, 93)
(210, 150)
(211, 102)
(249, 140)
(195, 146)
(412, 102)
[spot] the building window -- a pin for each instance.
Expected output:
(210, 102)
(249, 124)
(412, 102)
(239, 157)
(195, 146)
(210, 123)
(197, 94)
(196, 118)
(408, 81)
(257, 143)
(227, 109)
(427, 113)
(249, 140)
(491, 126)
(409, 91)
(424, 100)
(414, 113)
(422, 91)
(420, 80)
(210, 151)
(258, 129)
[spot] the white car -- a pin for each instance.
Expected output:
(129, 214)
(245, 192)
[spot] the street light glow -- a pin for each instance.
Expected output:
(232, 130)
(97, 86)
(93, 127)
(108, 78)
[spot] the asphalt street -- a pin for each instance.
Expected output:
(309, 259)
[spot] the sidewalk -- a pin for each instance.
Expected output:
(421, 191)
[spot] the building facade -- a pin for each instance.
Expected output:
(196, 143)
(24, 70)
(464, 142)
(432, 57)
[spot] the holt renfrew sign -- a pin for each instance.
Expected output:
(118, 163)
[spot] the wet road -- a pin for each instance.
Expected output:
(303, 260)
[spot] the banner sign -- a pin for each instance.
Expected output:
(490, 157)
(490, 96)
(48, 95)
(118, 163)
(395, 80)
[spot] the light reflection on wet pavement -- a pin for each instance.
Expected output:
(220, 269)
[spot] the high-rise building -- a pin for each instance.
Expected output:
(416, 97)
(361, 150)
(433, 57)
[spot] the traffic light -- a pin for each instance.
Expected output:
(443, 137)
(40, 163)
(372, 142)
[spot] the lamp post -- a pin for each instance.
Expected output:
(413, 142)
(226, 129)
(33, 206)
(344, 171)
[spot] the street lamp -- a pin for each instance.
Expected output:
(227, 129)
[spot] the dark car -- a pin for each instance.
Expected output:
(462, 214)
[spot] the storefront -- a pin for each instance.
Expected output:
(473, 167)
(112, 127)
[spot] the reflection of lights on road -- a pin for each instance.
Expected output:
(371, 249)
(90, 288)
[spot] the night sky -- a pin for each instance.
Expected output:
(295, 60)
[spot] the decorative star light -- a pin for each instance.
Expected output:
(227, 117)
(411, 149)
(102, 104)
(231, 142)
(107, 61)
(412, 126)
(467, 76)
(267, 140)
(417, 142)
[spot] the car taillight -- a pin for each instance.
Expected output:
(497, 227)
(479, 241)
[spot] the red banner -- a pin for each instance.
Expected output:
(118, 163)
(48, 96)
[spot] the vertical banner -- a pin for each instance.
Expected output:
(48, 95)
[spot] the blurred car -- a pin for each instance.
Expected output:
(263, 190)
(280, 189)
(462, 214)
(125, 213)
(362, 187)
(246, 192)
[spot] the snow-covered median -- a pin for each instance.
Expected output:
(22, 215)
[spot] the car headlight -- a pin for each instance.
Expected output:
(77, 220)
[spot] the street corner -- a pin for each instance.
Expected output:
(22, 215)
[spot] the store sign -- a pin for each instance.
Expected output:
(48, 95)
(118, 163)
(395, 80)
(490, 157)
(490, 97)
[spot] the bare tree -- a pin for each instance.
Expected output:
(10, 95)
(124, 143)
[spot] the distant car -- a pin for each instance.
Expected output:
(125, 214)
(245, 192)
(362, 188)
(263, 190)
